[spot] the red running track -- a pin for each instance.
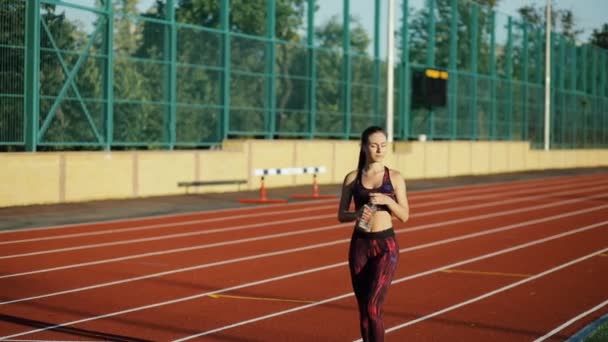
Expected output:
(502, 262)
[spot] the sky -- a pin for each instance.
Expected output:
(589, 14)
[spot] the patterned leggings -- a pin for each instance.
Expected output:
(372, 260)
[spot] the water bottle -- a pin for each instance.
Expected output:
(366, 224)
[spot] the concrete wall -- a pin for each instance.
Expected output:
(37, 178)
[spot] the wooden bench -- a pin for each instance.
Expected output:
(187, 185)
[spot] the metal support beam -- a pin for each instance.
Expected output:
(376, 69)
(225, 90)
(548, 75)
(312, 71)
(510, 77)
(494, 76)
(526, 81)
(430, 59)
(31, 100)
(108, 77)
(453, 68)
(271, 91)
(390, 70)
(474, 51)
(562, 89)
(404, 78)
(346, 71)
(170, 47)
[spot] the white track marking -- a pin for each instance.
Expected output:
(198, 247)
(291, 275)
(270, 213)
(414, 276)
(168, 224)
(299, 219)
(298, 249)
(170, 236)
(432, 192)
(499, 290)
(570, 321)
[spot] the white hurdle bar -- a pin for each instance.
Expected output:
(289, 171)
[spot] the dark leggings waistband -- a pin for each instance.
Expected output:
(374, 235)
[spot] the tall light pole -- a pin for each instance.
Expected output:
(548, 75)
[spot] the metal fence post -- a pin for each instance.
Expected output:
(312, 70)
(271, 91)
(108, 76)
(32, 73)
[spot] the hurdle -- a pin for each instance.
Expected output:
(263, 173)
(315, 187)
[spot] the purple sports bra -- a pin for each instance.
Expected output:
(361, 193)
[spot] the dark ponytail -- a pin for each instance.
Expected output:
(364, 141)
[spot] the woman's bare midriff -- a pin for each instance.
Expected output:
(382, 220)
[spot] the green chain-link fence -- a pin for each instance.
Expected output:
(93, 74)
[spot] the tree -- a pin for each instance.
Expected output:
(420, 41)
(12, 36)
(562, 20)
(599, 37)
(65, 41)
(200, 60)
(329, 74)
(127, 34)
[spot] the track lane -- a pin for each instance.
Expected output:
(117, 226)
(409, 300)
(325, 273)
(79, 254)
(108, 273)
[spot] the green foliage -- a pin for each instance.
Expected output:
(562, 20)
(12, 38)
(599, 37)
(143, 76)
(64, 42)
(600, 334)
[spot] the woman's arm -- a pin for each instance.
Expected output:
(344, 215)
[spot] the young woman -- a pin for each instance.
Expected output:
(374, 252)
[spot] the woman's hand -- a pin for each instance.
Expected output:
(365, 213)
(378, 198)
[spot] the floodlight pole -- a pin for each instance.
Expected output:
(548, 75)
(390, 69)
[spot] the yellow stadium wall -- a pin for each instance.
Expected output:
(44, 178)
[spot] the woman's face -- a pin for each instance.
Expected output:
(376, 147)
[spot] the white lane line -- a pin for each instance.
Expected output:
(170, 236)
(307, 209)
(198, 247)
(291, 275)
(320, 245)
(570, 321)
(91, 224)
(433, 192)
(506, 185)
(408, 278)
(53, 340)
(266, 224)
(592, 185)
(170, 224)
(494, 292)
(150, 306)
